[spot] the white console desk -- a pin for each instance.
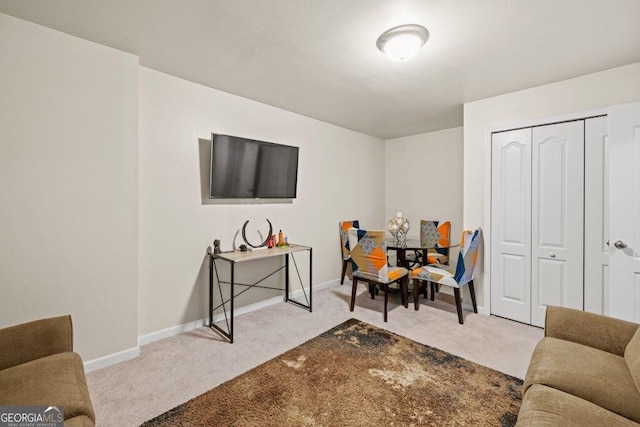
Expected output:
(237, 257)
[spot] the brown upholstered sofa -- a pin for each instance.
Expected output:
(38, 367)
(584, 372)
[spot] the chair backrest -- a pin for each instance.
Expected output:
(369, 254)
(468, 256)
(344, 237)
(434, 233)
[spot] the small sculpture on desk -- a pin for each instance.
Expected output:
(216, 246)
(243, 248)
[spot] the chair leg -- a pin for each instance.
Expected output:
(404, 284)
(344, 270)
(473, 297)
(353, 292)
(456, 291)
(372, 290)
(416, 293)
(425, 289)
(433, 291)
(386, 301)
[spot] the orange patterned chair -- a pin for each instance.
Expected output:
(344, 241)
(443, 275)
(369, 265)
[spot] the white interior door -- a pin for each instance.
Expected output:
(624, 155)
(596, 216)
(557, 218)
(511, 225)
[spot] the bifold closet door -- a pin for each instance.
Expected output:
(557, 213)
(596, 218)
(624, 155)
(511, 225)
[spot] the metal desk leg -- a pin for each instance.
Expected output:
(286, 278)
(233, 267)
(210, 290)
(310, 280)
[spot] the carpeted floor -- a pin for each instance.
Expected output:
(357, 374)
(171, 371)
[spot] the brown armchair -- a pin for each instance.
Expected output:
(38, 367)
(584, 372)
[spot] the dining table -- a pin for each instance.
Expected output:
(401, 246)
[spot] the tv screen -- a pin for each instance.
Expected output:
(244, 168)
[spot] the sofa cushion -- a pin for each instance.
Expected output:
(632, 357)
(544, 406)
(53, 380)
(588, 373)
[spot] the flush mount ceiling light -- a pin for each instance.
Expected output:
(403, 42)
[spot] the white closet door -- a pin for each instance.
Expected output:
(557, 218)
(596, 216)
(624, 155)
(511, 225)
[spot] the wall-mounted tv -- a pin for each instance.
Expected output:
(244, 168)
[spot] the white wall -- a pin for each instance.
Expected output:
(424, 178)
(68, 185)
(341, 176)
(615, 86)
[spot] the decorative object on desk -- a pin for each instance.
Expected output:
(243, 248)
(244, 235)
(282, 241)
(216, 246)
(372, 377)
(272, 241)
(398, 227)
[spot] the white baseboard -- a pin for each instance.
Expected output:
(111, 359)
(121, 356)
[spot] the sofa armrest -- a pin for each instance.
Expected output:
(594, 330)
(29, 341)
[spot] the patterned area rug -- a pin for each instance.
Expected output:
(357, 375)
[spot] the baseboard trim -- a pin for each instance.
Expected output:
(195, 324)
(111, 359)
(132, 353)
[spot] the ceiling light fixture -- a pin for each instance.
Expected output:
(403, 42)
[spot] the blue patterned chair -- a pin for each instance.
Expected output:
(456, 278)
(369, 265)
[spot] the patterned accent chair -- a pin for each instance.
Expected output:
(442, 275)
(369, 265)
(432, 233)
(344, 241)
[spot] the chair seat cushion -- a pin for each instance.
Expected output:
(435, 273)
(53, 380)
(544, 406)
(585, 372)
(393, 274)
(437, 259)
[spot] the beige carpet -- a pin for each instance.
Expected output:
(172, 371)
(357, 374)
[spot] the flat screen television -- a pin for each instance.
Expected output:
(244, 168)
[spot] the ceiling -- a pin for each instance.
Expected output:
(319, 58)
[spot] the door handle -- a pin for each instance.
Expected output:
(620, 244)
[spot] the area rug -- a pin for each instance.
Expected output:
(357, 375)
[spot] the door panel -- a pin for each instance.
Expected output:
(596, 215)
(557, 217)
(624, 261)
(511, 225)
